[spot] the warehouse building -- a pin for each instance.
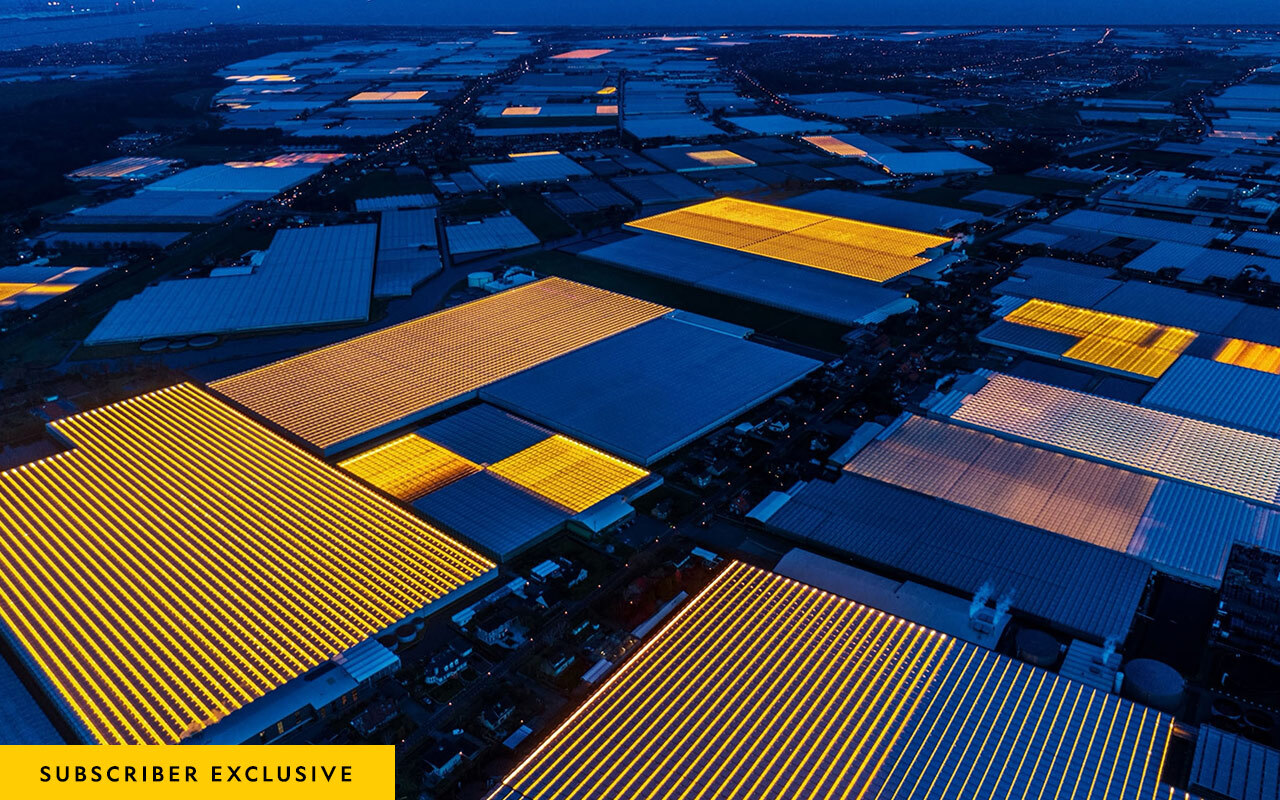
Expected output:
(781, 125)
(308, 276)
(842, 299)
(1211, 357)
(25, 287)
(129, 168)
(865, 250)
(477, 238)
(208, 193)
(211, 562)
(517, 483)
(408, 251)
(885, 210)
(646, 392)
(1181, 529)
(1224, 459)
(1089, 591)
(430, 363)
(826, 698)
(528, 169)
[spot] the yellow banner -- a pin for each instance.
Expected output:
(199, 772)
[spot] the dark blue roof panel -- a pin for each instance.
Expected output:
(645, 392)
(1080, 586)
(484, 434)
(496, 515)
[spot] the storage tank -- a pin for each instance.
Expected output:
(1037, 647)
(1153, 683)
(479, 280)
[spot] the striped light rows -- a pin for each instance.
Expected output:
(1108, 340)
(1250, 355)
(720, 158)
(333, 394)
(1157, 442)
(409, 467)
(181, 561)
(849, 247)
(763, 687)
(558, 469)
(834, 145)
(568, 473)
(1085, 500)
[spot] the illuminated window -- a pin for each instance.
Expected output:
(521, 111)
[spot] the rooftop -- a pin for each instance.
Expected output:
(202, 561)
(849, 247)
(765, 687)
(326, 397)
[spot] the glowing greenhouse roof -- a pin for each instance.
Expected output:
(409, 467)
(1156, 442)
(181, 561)
(568, 473)
(1108, 340)
(861, 249)
(360, 386)
(765, 687)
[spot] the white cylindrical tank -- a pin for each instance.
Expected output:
(478, 280)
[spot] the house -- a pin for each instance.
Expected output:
(446, 663)
(496, 714)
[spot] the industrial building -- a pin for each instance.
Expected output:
(622, 375)
(25, 287)
(765, 687)
(1183, 449)
(823, 266)
(208, 193)
(863, 250)
(822, 294)
(211, 562)
(430, 363)
(1181, 529)
(130, 168)
(1077, 313)
(408, 251)
(308, 276)
(486, 236)
(528, 169)
(644, 393)
(1089, 591)
(888, 211)
(517, 484)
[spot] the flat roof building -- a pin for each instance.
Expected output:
(765, 687)
(324, 397)
(646, 392)
(201, 561)
(1158, 443)
(308, 276)
(525, 483)
(823, 294)
(864, 250)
